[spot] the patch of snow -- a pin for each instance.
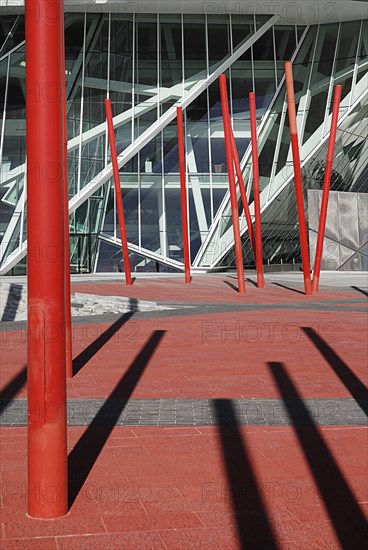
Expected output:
(13, 304)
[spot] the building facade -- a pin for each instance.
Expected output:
(149, 58)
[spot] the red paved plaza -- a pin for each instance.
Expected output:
(238, 480)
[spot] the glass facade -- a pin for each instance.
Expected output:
(148, 64)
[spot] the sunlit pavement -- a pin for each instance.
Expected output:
(237, 422)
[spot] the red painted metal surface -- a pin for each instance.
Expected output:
(183, 194)
(256, 190)
(233, 197)
(326, 188)
(47, 452)
(68, 313)
(118, 194)
(298, 177)
(243, 194)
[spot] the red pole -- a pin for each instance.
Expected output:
(68, 313)
(326, 188)
(233, 197)
(47, 452)
(183, 194)
(256, 189)
(242, 191)
(119, 197)
(298, 176)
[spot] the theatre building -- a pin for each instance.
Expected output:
(149, 57)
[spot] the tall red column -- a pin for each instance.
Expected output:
(256, 189)
(118, 195)
(298, 176)
(68, 313)
(183, 194)
(47, 452)
(326, 188)
(243, 194)
(233, 197)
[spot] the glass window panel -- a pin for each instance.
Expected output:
(170, 149)
(109, 257)
(348, 43)
(171, 50)
(218, 38)
(263, 48)
(241, 85)
(194, 45)
(264, 69)
(74, 53)
(242, 27)
(197, 132)
(316, 113)
(173, 221)
(121, 43)
(346, 83)
(130, 198)
(218, 197)
(285, 43)
(194, 233)
(303, 63)
(363, 49)
(265, 88)
(147, 50)
(268, 152)
(150, 157)
(11, 32)
(320, 81)
(217, 131)
(242, 145)
(284, 147)
(7, 23)
(14, 145)
(151, 190)
(325, 55)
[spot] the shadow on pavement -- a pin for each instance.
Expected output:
(86, 355)
(233, 287)
(364, 292)
(352, 383)
(253, 524)
(86, 451)
(12, 388)
(289, 288)
(345, 513)
(12, 303)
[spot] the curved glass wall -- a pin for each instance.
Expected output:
(147, 64)
(328, 55)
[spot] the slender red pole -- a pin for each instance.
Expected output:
(68, 313)
(233, 197)
(256, 190)
(326, 188)
(47, 451)
(119, 197)
(298, 176)
(243, 194)
(183, 194)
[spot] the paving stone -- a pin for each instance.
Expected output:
(268, 412)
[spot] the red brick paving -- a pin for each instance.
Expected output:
(167, 487)
(174, 493)
(190, 359)
(207, 289)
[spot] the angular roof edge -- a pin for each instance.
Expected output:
(291, 12)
